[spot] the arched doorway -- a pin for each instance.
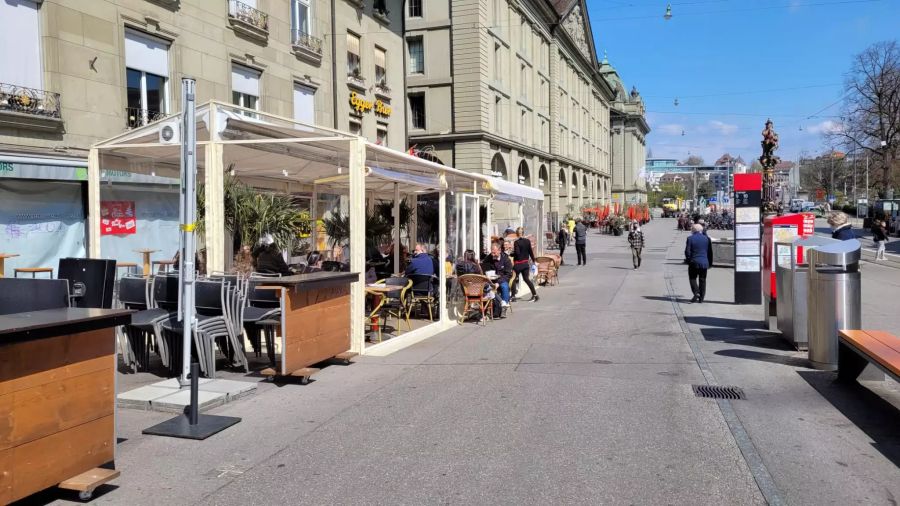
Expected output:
(563, 187)
(585, 188)
(498, 167)
(524, 174)
(544, 180)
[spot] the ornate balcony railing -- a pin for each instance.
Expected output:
(306, 41)
(29, 101)
(248, 15)
(137, 117)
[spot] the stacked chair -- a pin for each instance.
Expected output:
(261, 315)
(156, 300)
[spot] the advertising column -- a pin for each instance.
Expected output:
(747, 200)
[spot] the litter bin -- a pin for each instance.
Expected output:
(792, 281)
(834, 299)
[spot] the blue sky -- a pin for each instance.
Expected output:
(715, 56)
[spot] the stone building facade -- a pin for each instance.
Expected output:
(93, 69)
(629, 141)
(512, 88)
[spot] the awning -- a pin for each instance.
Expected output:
(423, 181)
(504, 188)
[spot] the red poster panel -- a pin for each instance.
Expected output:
(117, 217)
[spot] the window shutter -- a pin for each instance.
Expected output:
(20, 38)
(245, 80)
(146, 53)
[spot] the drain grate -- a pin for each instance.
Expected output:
(718, 392)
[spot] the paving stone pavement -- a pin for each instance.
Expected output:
(582, 398)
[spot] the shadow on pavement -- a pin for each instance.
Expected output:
(766, 357)
(868, 411)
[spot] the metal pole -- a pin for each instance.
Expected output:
(867, 181)
(188, 219)
(397, 229)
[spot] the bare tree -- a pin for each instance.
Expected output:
(693, 160)
(871, 120)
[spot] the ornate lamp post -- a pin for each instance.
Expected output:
(768, 160)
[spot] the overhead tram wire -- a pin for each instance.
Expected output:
(746, 9)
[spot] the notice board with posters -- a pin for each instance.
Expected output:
(117, 217)
(747, 201)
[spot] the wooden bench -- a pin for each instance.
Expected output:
(856, 348)
(33, 271)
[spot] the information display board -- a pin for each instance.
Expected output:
(747, 265)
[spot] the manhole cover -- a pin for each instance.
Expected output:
(718, 392)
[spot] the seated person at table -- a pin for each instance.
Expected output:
(421, 262)
(499, 262)
(314, 259)
(268, 259)
(468, 264)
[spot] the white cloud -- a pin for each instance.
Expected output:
(826, 127)
(670, 129)
(723, 128)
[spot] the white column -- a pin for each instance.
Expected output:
(357, 242)
(396, 228)
(442, 249)
(214, 168)
(93, 203)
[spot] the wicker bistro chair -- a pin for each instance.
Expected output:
(423, 293)
(396, 303)
(546, 271)
(472, 286)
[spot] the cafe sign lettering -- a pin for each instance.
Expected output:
(362, 105)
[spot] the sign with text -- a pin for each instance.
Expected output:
(747, 200)
(361, 105)
(117, 217)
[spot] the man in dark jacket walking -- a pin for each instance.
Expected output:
(840, 226)
(580, 241)
(698, 253)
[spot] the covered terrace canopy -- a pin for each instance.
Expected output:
(275, 152)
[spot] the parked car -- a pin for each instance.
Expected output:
(807, 207)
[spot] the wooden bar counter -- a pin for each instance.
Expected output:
(57, 399)
(315, 320)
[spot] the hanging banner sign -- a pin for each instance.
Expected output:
(117, 217)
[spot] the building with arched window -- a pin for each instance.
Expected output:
(629, 141)
(524, 97)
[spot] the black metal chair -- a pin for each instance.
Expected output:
(146, 329)
(261, 318)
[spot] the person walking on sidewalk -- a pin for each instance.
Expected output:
(698, 253)
(636, 241)
(571, 226)
(523, 255)
(580, 241)
(562, 239)
(880, 236)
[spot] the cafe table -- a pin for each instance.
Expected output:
(58, 400)
(3, 257)
(146, 252)
(315, 321)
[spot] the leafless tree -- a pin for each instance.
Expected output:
(871, 117)
(693, 160)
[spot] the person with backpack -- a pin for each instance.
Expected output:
(636, 241)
